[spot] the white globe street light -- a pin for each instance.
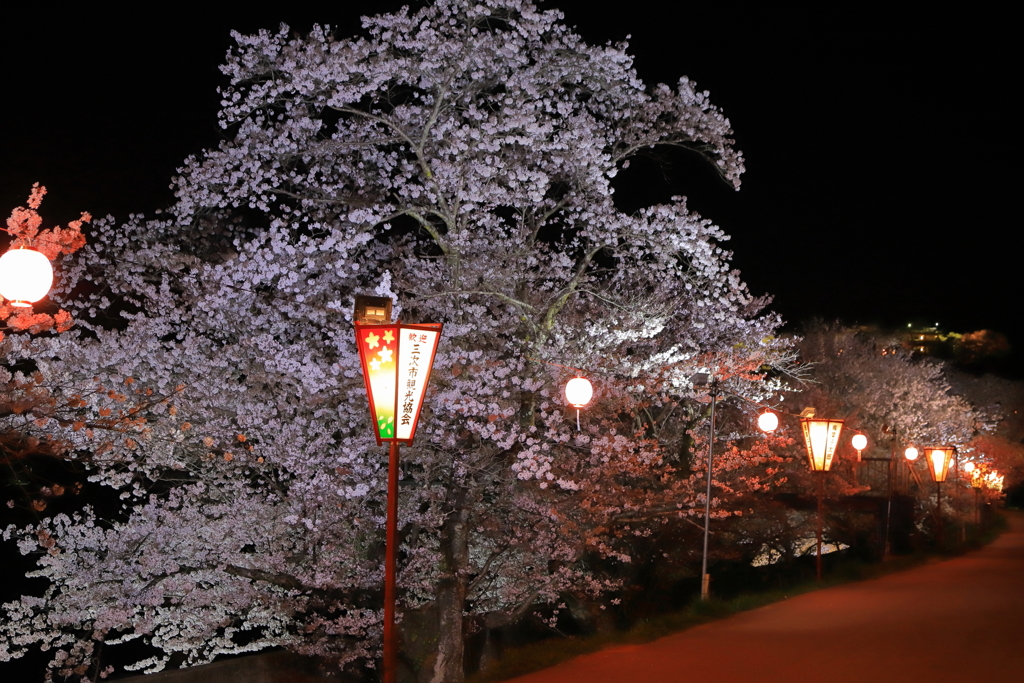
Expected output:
(25, 276)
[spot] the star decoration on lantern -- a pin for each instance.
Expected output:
(385, 355)
(372, 339)
(388, 336)
(375, 364)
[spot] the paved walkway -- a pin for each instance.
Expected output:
(957, 621)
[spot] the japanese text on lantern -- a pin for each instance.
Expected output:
(416, 351)
(396, 362)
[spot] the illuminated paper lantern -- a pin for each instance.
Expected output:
(910, 454)
(25, 276)
(820, 438)
(938, 458)
(396, 361)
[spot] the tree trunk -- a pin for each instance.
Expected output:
(451, 600)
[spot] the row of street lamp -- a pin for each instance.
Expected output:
(821, 436)
(396, 369)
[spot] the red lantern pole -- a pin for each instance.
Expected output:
(396, 360)
(390, 564)
(821, 513)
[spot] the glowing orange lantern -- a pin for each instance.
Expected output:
(938, 458)
(768, 422)
(25, 276)
(821, 437)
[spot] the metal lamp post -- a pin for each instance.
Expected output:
(396, 361)
(705, 579)
(820, 437)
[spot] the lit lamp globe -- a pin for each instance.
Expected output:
(911, 453)
(859, 442)
(578, 392)
(768, 422)
(968, 467)
(25, 276)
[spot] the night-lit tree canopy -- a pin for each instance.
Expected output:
(463, 159)
(460, 158)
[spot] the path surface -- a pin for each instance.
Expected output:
(957, 621)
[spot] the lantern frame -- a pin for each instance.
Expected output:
(938, 469)
(821, 437)
(380, 385)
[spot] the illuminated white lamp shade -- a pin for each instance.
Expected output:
(938, 461)
(911, 453)
(768, 421)
(578, 392)
(968, 467)
(821, 437)
(25, 276)
(859, 443)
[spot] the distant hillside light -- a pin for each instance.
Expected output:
(768, 422)
(25, 276)
(911, 453)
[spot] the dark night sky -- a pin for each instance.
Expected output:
(880, 153)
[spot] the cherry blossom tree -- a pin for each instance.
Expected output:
(893, 398)
(23, 397)
(462, 159)
(25, 226)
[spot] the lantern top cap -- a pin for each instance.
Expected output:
(808, 412)
(700, 379)
(371, 310)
